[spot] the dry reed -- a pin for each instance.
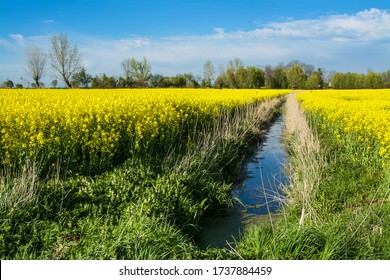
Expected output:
(307, 161)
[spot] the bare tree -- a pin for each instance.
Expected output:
(35, 63)
(126, 66)
(65, 59)
(208, 73)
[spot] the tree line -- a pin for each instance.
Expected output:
(65, 60)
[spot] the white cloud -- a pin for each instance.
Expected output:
(17, 37)
(313, 40)
(49, 21)
(366, 25)
(341, 42)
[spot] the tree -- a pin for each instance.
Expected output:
(35, 63)
(313, 82)
(208, 74)
(81, 79)
(386, 79)
(254, 77)
(281, 80)
(373, 80)
(65, 59)
(338, 80)
(295, 76)
(191, 80)
(104, 81)
(316, 80)
(139, 71)
(221, 79)
(231, 72)
(155, 81)
(275, 77)
(54, 83)
(269, 76)
(8, 84)
(127, 81)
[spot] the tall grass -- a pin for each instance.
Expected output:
(215, 148)
(18, 187)
(307, 161)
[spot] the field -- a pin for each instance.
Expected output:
(107, 174)
(337, 204)
(129, 174)
(362, 114)
(92, 130)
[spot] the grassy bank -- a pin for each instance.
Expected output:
(148, 207)
(337, 205)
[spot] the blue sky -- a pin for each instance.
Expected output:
(179, 36)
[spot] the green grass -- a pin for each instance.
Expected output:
(349, 207)
(149, 207)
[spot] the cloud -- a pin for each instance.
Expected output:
(327, 40)
(16, 37)
(48, 21)
(343, 42)
(17, 41)
(366, 25)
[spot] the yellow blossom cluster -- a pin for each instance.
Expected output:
(95, 126)
(362, 113)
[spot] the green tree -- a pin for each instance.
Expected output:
(386, 79)
(8, 84)
(254, 77)
(275, 77)
(373, 80)
(81, 79)
(280, 77)
(190, 80)
(233, 67)
(337, 81)
(155, 81)
(269, 76)
(221, 80)
(139, 71)
(316, 80)
(104, 81)
(295, 76)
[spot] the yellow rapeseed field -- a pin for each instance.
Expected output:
(95, 126)
(362, 113)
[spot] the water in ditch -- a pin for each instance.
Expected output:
(260, 192)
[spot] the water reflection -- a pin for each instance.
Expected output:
(260, 192)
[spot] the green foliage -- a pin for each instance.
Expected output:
(294, 243)
(138, 210)
(7, 84)
(315, 81)
(295, 76)
(238, 76)
(349, 80)
(351, 205)
(103, 81)
(81, 79)
(275, 77)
